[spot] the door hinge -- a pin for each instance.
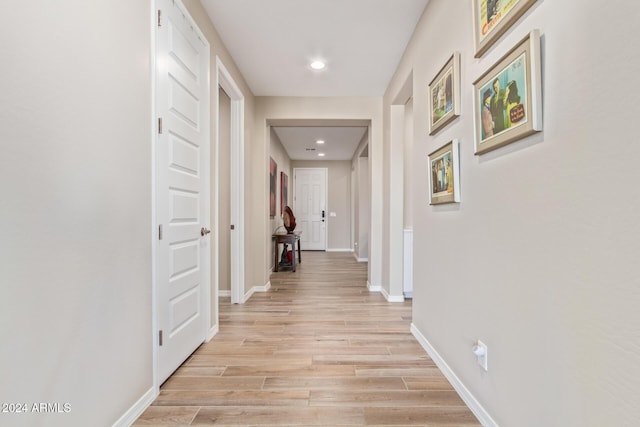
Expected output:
(160, 125)
(160, 232)
(233, 227)
(159, 18)
(160, 338)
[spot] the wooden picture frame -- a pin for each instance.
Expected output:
(444, 174)
(444, 95)
(491, 18)
(508, 97)
(284, 191)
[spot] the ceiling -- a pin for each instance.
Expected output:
(339, 142)
(273, 42)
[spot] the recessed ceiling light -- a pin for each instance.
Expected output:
(320, 141)
(318, 65)
(320, 154)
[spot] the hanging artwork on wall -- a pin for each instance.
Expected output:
(273, 176)
(491, 18)
(284, 191)
(444, 174)
(507, 97)
(444, 95)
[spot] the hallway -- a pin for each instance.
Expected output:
(317, 349)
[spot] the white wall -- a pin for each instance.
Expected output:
(75, 222)
(539, 260)
(364, 207)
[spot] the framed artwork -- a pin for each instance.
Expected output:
(444, 95)
(491, 18)
(507, 98)
(284, 191)
(273, 176)
(444, 174)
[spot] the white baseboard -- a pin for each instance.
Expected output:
(224, 294)
(137, 409)
(340, 250)
(373, 288)
(391, 298)
(360, 259)
(473, 404)
(255, 289)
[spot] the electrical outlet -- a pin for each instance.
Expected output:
(481, 352)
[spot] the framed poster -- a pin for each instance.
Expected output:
(444, 174)
(444, 95)
(284, 191)
(507, 97)
(273, 176)
(491, 18)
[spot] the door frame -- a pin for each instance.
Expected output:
(326, 198)
(224, 80)
(206, 291)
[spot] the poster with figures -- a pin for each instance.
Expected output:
(493, 17)
(507, 97)
(444, 181)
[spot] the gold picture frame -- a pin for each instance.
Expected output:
(444, 95)
(491, 18)
(444, 174)
(507, 97)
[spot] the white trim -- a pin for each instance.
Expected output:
(473, 404)
(255, 289)
(227, 83)
(391, 298)
(339, 250)
(355, 255)
(373, 288)
(132, 414)
(224, 294)
(154, 213)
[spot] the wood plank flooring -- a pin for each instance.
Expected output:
(317, 349)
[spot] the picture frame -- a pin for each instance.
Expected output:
(491, 18)
(273, 176)
(444, 95)
(444, 174)
(508, 97)
(284, 191)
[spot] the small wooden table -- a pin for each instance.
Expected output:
(290, 238)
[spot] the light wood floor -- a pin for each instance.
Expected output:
(317, 349)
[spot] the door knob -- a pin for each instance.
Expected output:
(204, 231)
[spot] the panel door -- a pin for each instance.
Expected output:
(182, 194)
(310, 207)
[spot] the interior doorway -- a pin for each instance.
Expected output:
(236, 224)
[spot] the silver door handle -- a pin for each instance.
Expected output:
(204, 231)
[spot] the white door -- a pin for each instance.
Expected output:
(182, 179)
(310, 207)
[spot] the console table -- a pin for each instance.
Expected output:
(289, 238)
